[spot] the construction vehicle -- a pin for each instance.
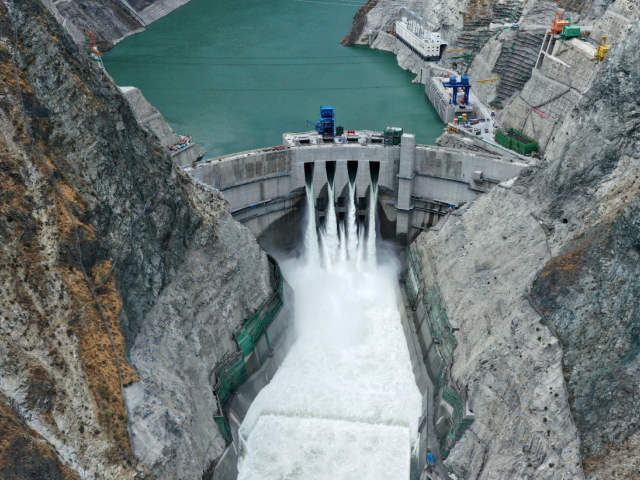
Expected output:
(325, 126)
(601, 50)
(451, 129)
(456, 85)
(570, 31)
(559, 24)
(488, 80)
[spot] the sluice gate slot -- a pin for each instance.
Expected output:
(331, 172)
(374, 170)
(352, 170)
(308, 173)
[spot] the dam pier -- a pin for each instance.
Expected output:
(417, 184)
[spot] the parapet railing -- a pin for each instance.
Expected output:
(424, 298)
(232, 372)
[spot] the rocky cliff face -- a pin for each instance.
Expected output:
(119, 274)
(541, 275)
(112, 20)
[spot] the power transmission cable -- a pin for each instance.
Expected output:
(183, 63)
(314, 89)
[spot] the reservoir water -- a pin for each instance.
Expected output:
(236, 75)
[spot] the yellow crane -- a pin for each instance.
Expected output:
(601, 51)
(488, 80)
(454, 51)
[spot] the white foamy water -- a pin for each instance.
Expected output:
(371, 236)
(344, 403)
(332, 239)
(311, 239)
(352, 226)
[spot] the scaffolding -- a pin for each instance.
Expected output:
(516, 141)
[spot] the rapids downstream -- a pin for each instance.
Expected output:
(344, 403)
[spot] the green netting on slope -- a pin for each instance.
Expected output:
(442, 334)
(437, 320)
(223, 425)
(439, 323)
(458, 422)
(231, 374)
(250, 332)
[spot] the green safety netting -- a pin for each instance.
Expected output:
(232, 373)
(516, 140)
(458, 422)
(250, 332)
(223, 424)
(442, 335)
(439, 325)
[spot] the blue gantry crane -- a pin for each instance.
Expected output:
(456, 84)
(326, 125)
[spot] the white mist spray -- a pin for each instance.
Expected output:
(343, 245)
(371, 236)
(352, 227)
(311, 237)
(331, 239)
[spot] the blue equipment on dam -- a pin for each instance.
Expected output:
(325, 126)
(455, 84)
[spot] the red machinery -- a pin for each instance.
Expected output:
(559, 24)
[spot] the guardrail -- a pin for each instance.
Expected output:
(232, 372)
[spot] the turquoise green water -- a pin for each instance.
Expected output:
(237, 74)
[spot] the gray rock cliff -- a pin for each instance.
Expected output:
(86, 189)
(541, 276)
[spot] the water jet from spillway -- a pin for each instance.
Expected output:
(344, 403)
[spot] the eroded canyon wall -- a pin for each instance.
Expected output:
(119, 273)
(541, 276)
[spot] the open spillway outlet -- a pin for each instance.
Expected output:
(352, 170)
(308, 174)
(331, 172)
(374, 170)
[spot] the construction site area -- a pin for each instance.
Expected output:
(512, 75)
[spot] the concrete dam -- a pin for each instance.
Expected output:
(344, 376)
(418, 184)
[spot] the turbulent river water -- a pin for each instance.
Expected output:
(344, 404)
(237, 74)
